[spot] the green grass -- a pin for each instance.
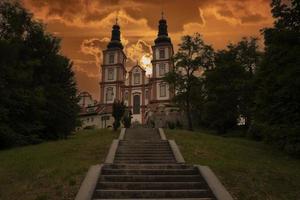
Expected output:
(250, 170)
(52, 170)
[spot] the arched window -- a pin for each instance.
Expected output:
(126, 96)
(110, 74)
(162, 90)
(111, 58)
(162, 53)
(109, 94)
(147, 94)
(136, 78)
(162, 69)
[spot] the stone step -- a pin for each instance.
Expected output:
(158, 157)
(138, 161)
(133, 149)
(120, 194)
(144, 142)
(145, 159)
(151, 178)
(144, 150)
(145, 156)
(144, 146)
(150, 171)
(162, 199)
(152, 186)
(169, 153)
(147, 166)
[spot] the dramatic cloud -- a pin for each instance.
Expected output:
(85, 27)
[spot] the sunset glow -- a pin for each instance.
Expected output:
(85, 27)
(146, 63)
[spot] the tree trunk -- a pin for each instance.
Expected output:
(189, 117)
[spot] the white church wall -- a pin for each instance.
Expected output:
(90, 121)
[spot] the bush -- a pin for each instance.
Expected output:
(285, 138)
(171, 125)
(127, 121)
(89, 127)
(178, 124)
(281, 136)
(255, 131)
(116, 125)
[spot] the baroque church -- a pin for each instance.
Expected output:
(145, 96)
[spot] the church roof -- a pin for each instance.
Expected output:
(136, 67)
(115, 41)
(162, 36)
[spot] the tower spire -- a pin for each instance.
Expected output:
(162, 36)
(117, 18)
(115, 41)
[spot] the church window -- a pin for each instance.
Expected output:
(109, 94)
(146, 94)
(110, 74)
(136, 104)
(136, 78)
(162, 69)
(162, 53)
(111, 58)
(162, 90)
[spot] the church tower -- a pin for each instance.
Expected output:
(161, 64)
(113, 68)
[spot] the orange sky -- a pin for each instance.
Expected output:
(85, 26)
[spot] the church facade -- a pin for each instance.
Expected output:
(142, 94)
(148, 97)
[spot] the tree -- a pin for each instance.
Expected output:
(127, 118)
(37, 86)
(192, 57)
(229, 87)
(222, 91)
(278, 97)
(246, 55)
(118, 112)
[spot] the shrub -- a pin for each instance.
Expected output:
(171, 125)
(89, 127)
(127, 121)
(255, 131)
(284, 137)
(178, 124)
(281, 136)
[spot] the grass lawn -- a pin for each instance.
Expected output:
(248, 169)
(52, 170)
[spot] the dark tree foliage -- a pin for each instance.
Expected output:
(229, 87)
(192, 57)
(127, 118)
(246, 55)
(277, 101)
(37, 87)
(118, 112)
(222, 87)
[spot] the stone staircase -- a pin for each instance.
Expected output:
(145, 167)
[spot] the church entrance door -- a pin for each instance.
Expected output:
(136, 104)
